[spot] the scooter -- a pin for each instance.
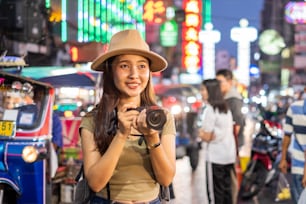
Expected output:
(265, 153)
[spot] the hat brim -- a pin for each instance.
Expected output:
(157, 62)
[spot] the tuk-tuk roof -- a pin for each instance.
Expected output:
(59, 76)
(24, 79)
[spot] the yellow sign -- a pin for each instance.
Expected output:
(7, 128)
(154, 11)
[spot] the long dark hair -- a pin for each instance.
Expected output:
(105, 112)
(215, 97)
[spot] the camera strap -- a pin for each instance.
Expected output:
(113, 124)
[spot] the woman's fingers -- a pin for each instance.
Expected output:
(127, 117)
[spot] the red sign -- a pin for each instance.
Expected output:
(191, 47)
(71, 131)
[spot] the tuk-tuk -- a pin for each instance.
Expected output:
(76, 90)
(25, 140)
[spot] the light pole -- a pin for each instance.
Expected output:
(209, 38)
(243, 35)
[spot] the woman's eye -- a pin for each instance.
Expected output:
(124, 66)
(142, 66)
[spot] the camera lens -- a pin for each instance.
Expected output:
(156, 118)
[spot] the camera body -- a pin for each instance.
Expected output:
(156, 116)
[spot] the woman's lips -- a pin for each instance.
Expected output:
(132, 85)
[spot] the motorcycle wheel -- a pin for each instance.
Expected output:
(193, 153)
(253, 180)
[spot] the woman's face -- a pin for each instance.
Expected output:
(204, 93)
(131, 74)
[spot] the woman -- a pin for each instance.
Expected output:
(219, 143)
(125, 161)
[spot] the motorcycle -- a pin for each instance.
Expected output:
(25, 140)
(262, 168)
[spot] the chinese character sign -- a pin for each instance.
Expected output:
(191, 47)
(154, 11)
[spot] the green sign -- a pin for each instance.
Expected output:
(169, 34)
(269, 66)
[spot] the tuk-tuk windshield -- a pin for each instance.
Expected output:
(21, 100)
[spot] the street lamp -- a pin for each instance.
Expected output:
(209, 38)
(243, 35)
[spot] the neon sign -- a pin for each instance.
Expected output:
(191, 47)
(154, 11)
(295, 12)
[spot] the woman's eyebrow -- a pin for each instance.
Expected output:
(120, 61)
(129, 61)
(144, 60)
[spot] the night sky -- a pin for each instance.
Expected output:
(226, 15)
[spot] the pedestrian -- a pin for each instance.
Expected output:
(57, 132)
(295, 131)
(56, 149)
(235, 103)
(219, 143)
(126, 161)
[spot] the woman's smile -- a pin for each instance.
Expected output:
(132, 85)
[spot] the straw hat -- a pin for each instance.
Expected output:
(129, 42)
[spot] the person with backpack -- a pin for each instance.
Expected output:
(126, 158)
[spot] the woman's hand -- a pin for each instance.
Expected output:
(127, 118)
(205, 136)
(142, 126)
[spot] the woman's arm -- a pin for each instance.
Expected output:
(163, 158)
(99, 169)
(206, 132)
(161, 148)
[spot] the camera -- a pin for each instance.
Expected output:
(156, 117)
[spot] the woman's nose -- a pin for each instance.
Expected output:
(134, 71)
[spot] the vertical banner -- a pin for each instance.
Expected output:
(191, 47)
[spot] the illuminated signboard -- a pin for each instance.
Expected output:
(209, 38)
(191, 47)
(243, 35)
(96, 20)
(169, 34)
(154, 11)
(295, 12)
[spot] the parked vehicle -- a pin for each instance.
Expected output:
(25, 140)
(262, 168)
(183, 101)
(76, 90)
